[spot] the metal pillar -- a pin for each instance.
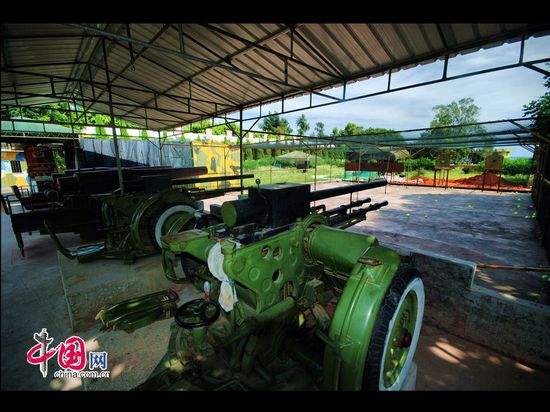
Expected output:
(160, 149)
(241, 145)
(72, 130)
(111, 113)
(315, 176)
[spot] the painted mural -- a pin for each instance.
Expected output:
(14, 169)
(220, 159)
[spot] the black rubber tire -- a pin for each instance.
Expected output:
(404, 276)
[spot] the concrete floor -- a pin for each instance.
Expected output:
(32, 294)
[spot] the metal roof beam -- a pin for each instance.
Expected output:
(534, 133)
(84, 81)
(119, 74)
(231, 68)
(66, 80)
(87, 66)
(184, 79)
(510, 66)
(338, 71)
(255, 45)
(537, 69)
(229, 58)
(96, 100)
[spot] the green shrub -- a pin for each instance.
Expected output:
(420, 163)
(250, 164)
(520, 166)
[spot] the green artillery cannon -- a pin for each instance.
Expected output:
(71, 201)
(287, 293)
(152, 205)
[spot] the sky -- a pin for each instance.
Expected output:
(500, 95)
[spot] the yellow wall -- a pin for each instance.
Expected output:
(9, 178)
(220, 159)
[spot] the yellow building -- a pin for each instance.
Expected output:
(14, 169)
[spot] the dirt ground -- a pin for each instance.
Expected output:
(488, 182)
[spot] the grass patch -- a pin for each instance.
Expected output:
(291, 175)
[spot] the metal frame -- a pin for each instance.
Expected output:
(224, 63)
(281, 90)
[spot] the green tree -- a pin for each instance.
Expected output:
(303, 125)
(101, 132)
(351, 129)
(223, 128)
(540, 108)
(319, 129)
(248, 154)
(463, 112)
(275, 124)
(124, 133)
(65, 114)
(143, 134)
(384, 135)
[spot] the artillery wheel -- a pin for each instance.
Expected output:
(396, 331)
(160, 222)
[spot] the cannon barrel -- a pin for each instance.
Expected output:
(104, 180)
(376, 206)
(343, 190)
(210, 179)
(352, 217)
(279, 204)
(344, 208)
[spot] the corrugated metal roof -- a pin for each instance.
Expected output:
(222, 66)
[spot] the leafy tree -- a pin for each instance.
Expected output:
(319, 129)
(540, 108)
(383, 135)
(351, 129)
(56, 112)
(275, 124)
(143, 134)
(124, 133)
(303, 125)
(101, 132)
(63, 113)
(463, 112)
(223, 128)
(248, 154)
(335, 132)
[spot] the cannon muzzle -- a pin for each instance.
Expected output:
(344, 190)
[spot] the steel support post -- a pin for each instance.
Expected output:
(111, 113)
(241, 145)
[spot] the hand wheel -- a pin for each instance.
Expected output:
(197, 313)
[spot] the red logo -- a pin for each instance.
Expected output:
(71, 354)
